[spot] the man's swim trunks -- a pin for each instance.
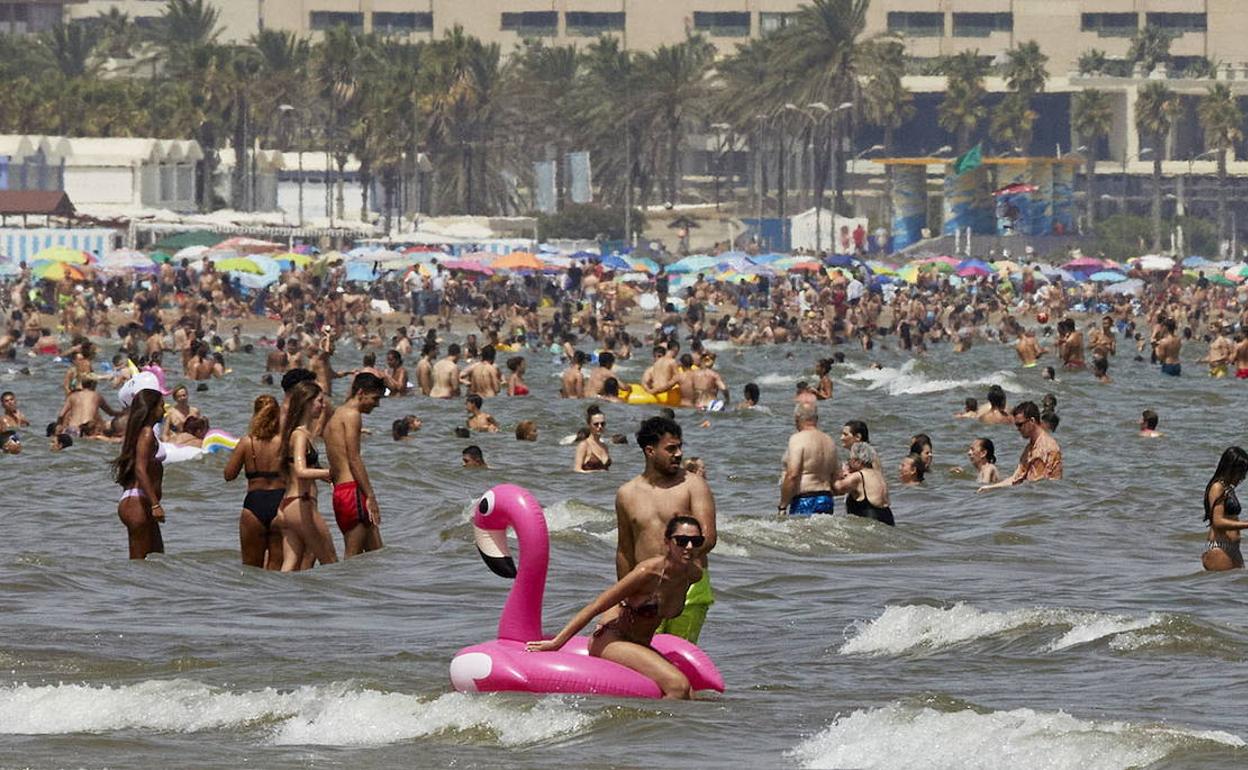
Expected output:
(349, 506)
(809, 503)
(688, 624)
(1241, 374)
(1173, 370)
(1217, 372)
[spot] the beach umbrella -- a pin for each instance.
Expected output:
(244, 245)
(798, 264)
(126, 259)
(693, 264)
(1084, 265)
(909, 273)
(1107, 276)
(361, 272)
(939, 260)
(767, 259)
(238, 265)
(1237, 273)
(1221, 280)
(734, 263)
(974, 271)
(518, 260)
(643, 265)
(57, 271)
(1196, 262)
(936, 266)
(62, 254)
(468, 266)
(1156, 262)
(616, 262)
(160, 257)
(1129, 286)
(1007, 266)
(294, 258)
(191, 253)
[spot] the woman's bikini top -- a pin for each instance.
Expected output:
(595, 463)
(1230, 504)
(650, 607)
(310, 457)
(257, 474)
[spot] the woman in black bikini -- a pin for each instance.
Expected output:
(864, 483)
(1222, 511)
(633, 608)
(303, 537)
(592, 453)
(258, 455)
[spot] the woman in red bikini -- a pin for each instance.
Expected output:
(303, 536)
(515, 382)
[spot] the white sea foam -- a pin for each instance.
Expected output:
(901, 629)
(905, 381)
(899, 735)
(568, 514)
(773, 378)
(335, 715)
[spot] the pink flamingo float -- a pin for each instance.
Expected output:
(504, 664)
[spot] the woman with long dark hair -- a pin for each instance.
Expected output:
(303, 537)
(258, 454)
(1222, 512)
(140, 471)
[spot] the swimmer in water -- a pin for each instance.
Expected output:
(1222, 509)
(983, 456)
(910, 470)
(864, 484)
(1148, 424)
(652, 591)
(473, 457)
(592, 453)
(970, 410)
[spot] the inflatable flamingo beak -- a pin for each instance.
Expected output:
(492, 545)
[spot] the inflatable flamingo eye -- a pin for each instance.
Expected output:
(486, 504)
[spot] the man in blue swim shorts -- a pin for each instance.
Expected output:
(1168, 349)
(810, 466)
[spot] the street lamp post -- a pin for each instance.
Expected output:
(853, 169)
(1187, 180)
(721, 130)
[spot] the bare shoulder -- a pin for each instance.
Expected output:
(629, 490)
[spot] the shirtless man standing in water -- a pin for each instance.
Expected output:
(1028, 349)
(810, 466)
(644, 506)
(355, 502)
(1241, 356)
(446, 375)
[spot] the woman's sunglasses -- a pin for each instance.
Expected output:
(602, 424)
(684, 541)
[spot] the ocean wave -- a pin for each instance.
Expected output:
(904, 381)
(900, 735)
(334, 715)
(802, 534)
(571, 514)
(902, 629)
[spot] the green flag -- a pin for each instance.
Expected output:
(973, 159)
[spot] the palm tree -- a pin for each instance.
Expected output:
(674, 77)
(1150, 47)
(1155, 112)
(541, 83)
(962, 109)
(243, 64)
(337, 71)
(1222, 121)
(118, 33)
(746, 94)
(184, 25)
(1092, 118)
(70, 50)
(1025, 75)
(606, 100)
(822, 44)
(1012, 123)
(887, 103)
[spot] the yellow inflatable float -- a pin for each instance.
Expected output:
(635, 394)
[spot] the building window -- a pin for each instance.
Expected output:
(1111, 24)
(981, 24)
(773, 22)
(916, 24)
(722, 23)
(1178, 22)
(593, 24)
(388, 23)
(532, 23)
(323, 20)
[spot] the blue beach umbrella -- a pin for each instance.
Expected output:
(1108, 276)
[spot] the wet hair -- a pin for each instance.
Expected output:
(195, 426)
(579, 358)
(400, 429)
(686, 360)
(514, 363)
(668, 412)
(367, 382)
(295, 376)
(863, 453)
(146, 409)
(473, 452)
(919, 441)
(592, 410)
(370, 359)
(858, 428)
(462, 432)
(1050, 421)
(1150, 419)
(64, 440)
(396, 355)
(751, 391)
(654, 428)
(1232, 467)
(302, 396)
(606, 359)
(1048, 403)
(919, 470)
(1028, 410)
(487, 354)
(990, 450)
(526, 430)
(265, 418)
(6, 394)
(972, 404)
(474, 400)
(1050, 373)
(996, 397)
(452, 349)
(611, 387)
(678, 521)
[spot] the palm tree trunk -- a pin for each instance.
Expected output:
(238, 179)
(781, 190)
(1222, 197)
(673, 160)
(1157, 200)
(366, 181)
(888, 181)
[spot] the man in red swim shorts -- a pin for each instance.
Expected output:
(1241, 356)
(355, 503)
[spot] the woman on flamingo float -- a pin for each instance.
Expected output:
(633, 608)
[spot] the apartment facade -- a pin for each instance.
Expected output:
(30, 17)
(1064, 29)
